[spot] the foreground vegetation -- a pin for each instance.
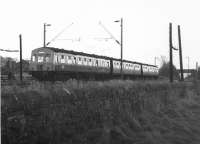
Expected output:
(113, 112)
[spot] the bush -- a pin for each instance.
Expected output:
(164, 71)
(97, 112)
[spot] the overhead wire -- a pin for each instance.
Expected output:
(100, 23)
(59, 33)
(6, 50)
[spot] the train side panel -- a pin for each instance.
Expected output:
(54, 62)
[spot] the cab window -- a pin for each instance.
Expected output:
(40, 58)
(47, 59)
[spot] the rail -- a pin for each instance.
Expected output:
(5, 80)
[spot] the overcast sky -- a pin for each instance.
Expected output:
(146, 24)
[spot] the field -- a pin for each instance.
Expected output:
(110, 112)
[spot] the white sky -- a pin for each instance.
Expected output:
(146, 25)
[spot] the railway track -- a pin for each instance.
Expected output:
(26, 80)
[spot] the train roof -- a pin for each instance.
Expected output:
(58, 50)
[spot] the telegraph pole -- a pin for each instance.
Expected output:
(170, 53)
(44, 42)
(188, 63)
(155, 58)
(20, 43)
(180, 53)
(120, 43)
(121, 48)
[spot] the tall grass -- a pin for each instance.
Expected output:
(101, 112)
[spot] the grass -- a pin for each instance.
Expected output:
(110, 112)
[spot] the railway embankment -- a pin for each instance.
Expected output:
(110, 112)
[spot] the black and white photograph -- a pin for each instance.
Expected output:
(100, 71)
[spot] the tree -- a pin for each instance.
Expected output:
(164, 70)
(10, 65)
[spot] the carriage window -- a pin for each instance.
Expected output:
(57, 59)
(69, 57)
(33, 58)
(62, 59)
(103, 63)
(108, 64)
(96, 62)
(85, 59)
(99, 62)
(40, 58)
(74, 59)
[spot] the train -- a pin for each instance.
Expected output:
(50, 63)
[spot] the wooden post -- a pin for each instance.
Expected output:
(122, 49)
(20, 43)
(170, 54)
(44, 35)
(180, 53)
(188, 65)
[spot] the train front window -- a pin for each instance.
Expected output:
(47, 59)
(40, 58)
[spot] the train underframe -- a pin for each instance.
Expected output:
(63, 76)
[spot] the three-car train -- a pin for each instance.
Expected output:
(48, 63)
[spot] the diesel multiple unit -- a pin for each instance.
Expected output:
(48, 63)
